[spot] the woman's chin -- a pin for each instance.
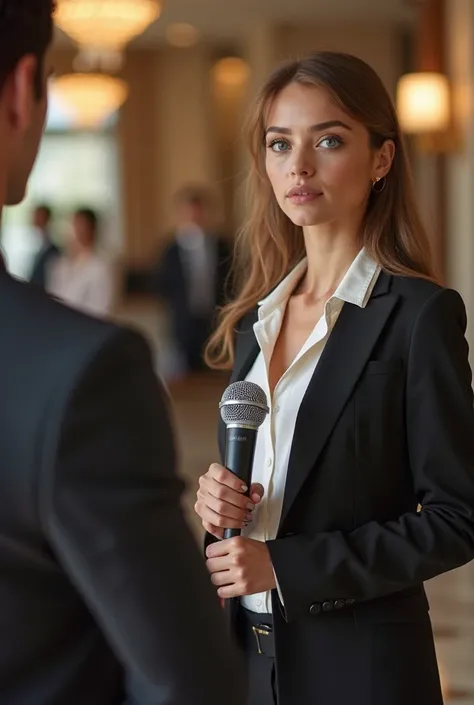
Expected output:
(306, 220)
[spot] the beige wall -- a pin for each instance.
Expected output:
(377, 44)
(166, 141)
(460, 241)
(184, 146)
(137, 136)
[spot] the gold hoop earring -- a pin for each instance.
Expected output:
(379, 184)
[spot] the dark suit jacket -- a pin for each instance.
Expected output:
(41, 264)
(171, 282)
(387, 422)
(104, 597)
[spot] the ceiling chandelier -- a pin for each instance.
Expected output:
(102, 29)
(90, 97)
(107, 24)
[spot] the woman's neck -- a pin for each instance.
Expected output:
(81, 256)
(330, 253)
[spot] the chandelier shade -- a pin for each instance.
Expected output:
(108, 24)
(90, 98)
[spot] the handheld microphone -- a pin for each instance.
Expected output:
(243, 410)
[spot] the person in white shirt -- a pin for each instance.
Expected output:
(363, 480)
(81, 277)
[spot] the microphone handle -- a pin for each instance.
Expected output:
(239, 454)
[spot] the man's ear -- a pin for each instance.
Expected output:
(20, 92)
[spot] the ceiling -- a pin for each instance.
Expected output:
(228, 19)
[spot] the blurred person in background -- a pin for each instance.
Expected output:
(364, 361)
(48, 252)
(191, 275)
(104, 597)
(81, 277)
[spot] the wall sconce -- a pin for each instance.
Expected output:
(424, 110)
(231, 72)
(423, 102)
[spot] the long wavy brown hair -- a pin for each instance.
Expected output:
(269, 245)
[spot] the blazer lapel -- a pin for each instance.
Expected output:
(342, 362)
(246, 346)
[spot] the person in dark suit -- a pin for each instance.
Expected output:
(104, 596)
(48, 251)
(192, 274)
(364, 468)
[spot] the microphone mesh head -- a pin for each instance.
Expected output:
(242, 403)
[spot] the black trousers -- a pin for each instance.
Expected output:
(255, 636)
(192, 334)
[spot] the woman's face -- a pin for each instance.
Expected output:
(319, 160)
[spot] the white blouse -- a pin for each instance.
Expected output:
(87, 284)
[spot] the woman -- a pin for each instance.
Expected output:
(82, 278)
(364, 361)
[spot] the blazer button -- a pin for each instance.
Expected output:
(340, 604)
(350, 601)
(315, 609)
(328, 606)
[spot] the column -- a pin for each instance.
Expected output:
(460, 167)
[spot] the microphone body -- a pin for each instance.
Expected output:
(243, 410)
(239, 456)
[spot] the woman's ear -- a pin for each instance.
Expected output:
(384, 159)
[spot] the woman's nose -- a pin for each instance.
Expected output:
(302, 165)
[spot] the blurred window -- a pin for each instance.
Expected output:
(73, 169)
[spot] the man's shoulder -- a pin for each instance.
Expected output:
(29, 316)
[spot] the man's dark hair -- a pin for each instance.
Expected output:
(26, 27)
(194, 195)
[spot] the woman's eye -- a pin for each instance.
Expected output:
(330, 142)
(279, 146)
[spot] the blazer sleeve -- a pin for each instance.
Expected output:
(111, 510)
(379, 559)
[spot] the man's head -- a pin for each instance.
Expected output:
(194, 205)
(26, 29)
(42, 217)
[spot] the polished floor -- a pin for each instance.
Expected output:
(195, 404)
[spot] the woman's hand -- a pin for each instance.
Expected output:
(240, 566)
(222, 503)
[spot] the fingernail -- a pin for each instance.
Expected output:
(244, 488)
(256, 498)
(250, 507)
(248, 517)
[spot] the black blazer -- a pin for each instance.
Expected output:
(170, 279)
(387, 423)
(40, 266)
(104, 597)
